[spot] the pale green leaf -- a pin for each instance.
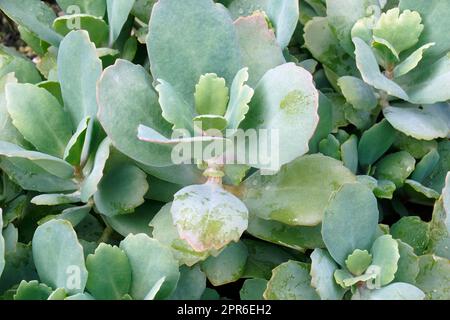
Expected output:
(118, 12)
(386, 255)
(358, 262)
(322, 271)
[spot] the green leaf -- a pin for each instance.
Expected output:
(58, 294)
(260, 49)
(291, 281)
(431, 13)
(436, 179)
(125, 92)
(240, 96)
(358, 261)
(95, 7)
(191, 285)
(396, 167)
(34, 15)
(330, 147)
(136, 222)
(80, 296)
(89, 186)
(43, 161)
(95, 26)
(228, 266)
(349, 153)
(412, 61)
(207, 122)
(375, 142)
(74, 148)
(121, 190)
(56, 199)
(150, 261)
(48, 129)
(386, 255)
(187, 40)
(298, 194)
(413, 231)
(174, 109)
(295, 237)
(211, 95)
(118, 12)
(401, 30)
(285, 100)
(342, 238)
(79, 69)
(415, 189)
(253, 289)
(166, 233)
(325, 126)
(24, 70)
(358, 94)
(343, 15)
(10, 236)
(208, 217)
(420, 122)
(75, 215)
(109, 273)
(394, 291)
(262, 258)
(32, 290)
(322, 271)
(58, 256)
(425, 166)
(370, 71)
(284, 16)
(408, 264)
(434, 277)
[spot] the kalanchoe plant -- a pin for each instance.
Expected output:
(117, 177)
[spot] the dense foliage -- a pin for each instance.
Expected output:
(356, 206)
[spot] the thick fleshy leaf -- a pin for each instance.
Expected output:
(58, 256)
(2, 245)
(34, 15)
(413, 231)
(121, 190)
(174, 109)
(260, 49)
(358, 261)
(95, 26)
(434, 277)
(295, 237)
(207, 122)
(12, 61)
(89, 185)
(375, 142)
(408, 264)
(191, 285)
(417, 191)
(412, 61)
(343, 14)
(211, 95)
(426, 122)
(330, 147)
(262, 258)
(286, 101)
(436, 179)
(324, 46)
(58, 294)
(46, 162)
(228, 266)
(284, 15)
(79, 69)
(322, 271)
(253, 289)
(74, 148)
(95, 7)
(395, 167)
(425, 166)
(80, 296)
(291, 281)
(150, 261)
(109, 273)
(56, 199)
(208, 217)
(325, 126)
(342, 238)
(370, 71)
(39, 117)
(118, 12)
(32, 290)
(240, 96)
(125, 92)
(402, 31)
(358, 94)
(394, 291)
(349, 153)
(386, 255)
(299, 193)
(203, 33)
(166, 233)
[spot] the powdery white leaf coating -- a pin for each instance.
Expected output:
(208, 217)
